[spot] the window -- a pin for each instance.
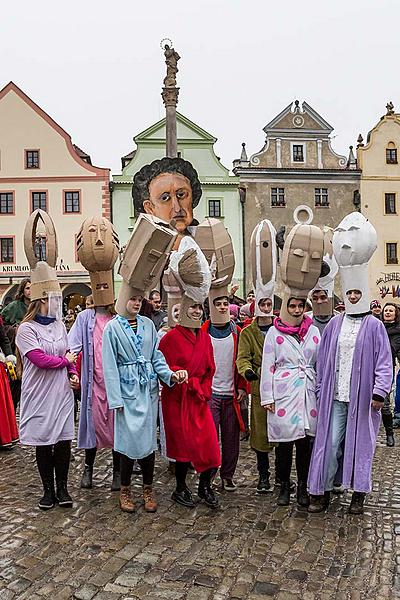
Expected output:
(321, 197)
(391, 253)
(214, 208)
(298, 153)
(72, 202)
(391, 154)
(31, 159)
(390, 204)
(39, 200)
(6, 203)
(41, 248)
(277, 196)
(7, 250)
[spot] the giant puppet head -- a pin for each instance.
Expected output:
(354, 242)
(301, 262)
(322, 294)
(169, 189)
(144, 259)
(97, 247)
(263, 253)
(40, 245)
(216, 244)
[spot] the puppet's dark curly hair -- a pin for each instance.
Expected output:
(142, 179)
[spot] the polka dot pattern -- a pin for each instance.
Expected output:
(313, 413)
(315, 339)
(280, 339)
(281, 412)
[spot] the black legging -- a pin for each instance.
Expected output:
(181, 470)
(146, 464)
(54, 458)
(90, 455)
(284, 457)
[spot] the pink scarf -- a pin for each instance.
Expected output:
(300, 330)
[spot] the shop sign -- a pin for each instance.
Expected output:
(389, 290)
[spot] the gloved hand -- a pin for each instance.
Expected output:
(250, 375)
(11, 358)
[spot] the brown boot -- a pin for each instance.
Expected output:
(125, 499)
(150, 503)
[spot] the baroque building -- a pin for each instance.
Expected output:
(40, 167)
(380, 201)
(296, 166)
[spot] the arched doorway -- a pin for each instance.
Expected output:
(74, 295)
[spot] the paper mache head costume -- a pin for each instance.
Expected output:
(216, 244)
(327, 282)
(263, 253)
(40, 245)
(301, 261)
(144, 259)
(354, 242)
(191, 272)
(97, 247)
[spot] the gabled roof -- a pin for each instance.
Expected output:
(320, 123)
(202, 134)
(75, 152)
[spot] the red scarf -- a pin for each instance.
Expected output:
(300, 330)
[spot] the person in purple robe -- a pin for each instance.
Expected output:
(354, 375)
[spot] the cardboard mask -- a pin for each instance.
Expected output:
(301, 261)
(216, 243)
(354, 242)
(97, 247)
(263, 256)
(144, 259)
(40, 245)
(174, 294)
(326, 283)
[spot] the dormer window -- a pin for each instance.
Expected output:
(298, 153)
(391, 154)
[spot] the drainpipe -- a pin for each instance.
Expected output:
(111, 189)
(242, 198)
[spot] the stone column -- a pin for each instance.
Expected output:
(170, 99)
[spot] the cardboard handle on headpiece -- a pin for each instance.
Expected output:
(30, 237)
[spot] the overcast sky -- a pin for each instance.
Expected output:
(97, 67)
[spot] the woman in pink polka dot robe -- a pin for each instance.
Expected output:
(288, 392)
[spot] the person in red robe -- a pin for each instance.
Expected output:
(8, 423)
(190, 433)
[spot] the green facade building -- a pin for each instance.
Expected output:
(220, 197)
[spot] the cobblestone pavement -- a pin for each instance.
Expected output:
(249, 548)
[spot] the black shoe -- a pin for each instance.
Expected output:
(206, 493)
(184, 498)
(116, 481)
(263, 485)
(86, 481)
(292, 484)
(357, 503)
(48, 499)
(62, 496)
(389, 439)
(319, 503)
(228, 485)
(284, 494)
(303, 499)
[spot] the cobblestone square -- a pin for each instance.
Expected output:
(249, 548)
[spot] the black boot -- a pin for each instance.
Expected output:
(319, 503)
(357, 503)
(86, 481)
(263, 485)
(205, 491)
(63, 498)
(387, 420)
(284, 494)
(48, 499)
(303, 499)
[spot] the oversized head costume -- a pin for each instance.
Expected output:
(191, 271)
(326, 283)
(354, 242)
(301, 261)
(144, 259)
(216, 244)
(41, 250)
(97, 247)
(263, 254)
